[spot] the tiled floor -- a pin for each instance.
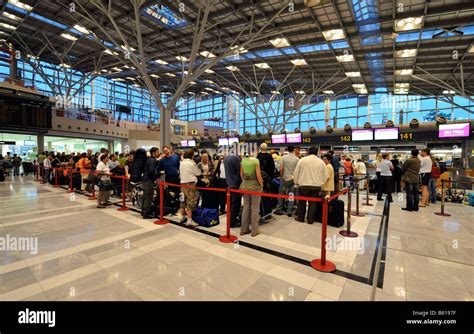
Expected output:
(87, 254)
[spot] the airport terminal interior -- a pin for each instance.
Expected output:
(234, 150)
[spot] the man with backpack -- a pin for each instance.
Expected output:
(16, 162)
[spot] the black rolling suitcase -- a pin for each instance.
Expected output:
(373, 186)
(266, 208)
(76, 180)
(335, 213)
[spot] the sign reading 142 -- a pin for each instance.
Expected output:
(345, 138)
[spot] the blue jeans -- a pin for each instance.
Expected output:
(286, 188)
(413, 195)
(432, 189)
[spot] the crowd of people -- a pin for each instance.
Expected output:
(252, 172)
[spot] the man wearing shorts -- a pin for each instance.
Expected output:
(425, 175)
(189, 171)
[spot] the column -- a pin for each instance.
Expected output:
(39, 143)
(110, 146)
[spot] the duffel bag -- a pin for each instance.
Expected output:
(206, 217)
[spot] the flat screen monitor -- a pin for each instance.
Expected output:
(358, 135)
(191, 143)
(278, 139)
(223, 141)
(184, 143)
(454, 130)
(29, 143)
(233, 140)
(293, 138)
(386, 134)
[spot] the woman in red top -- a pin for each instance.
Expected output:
(435, 175)
(348, 173)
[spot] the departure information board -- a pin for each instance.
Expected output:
(21, 113)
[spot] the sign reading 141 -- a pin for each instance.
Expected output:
(407, 135)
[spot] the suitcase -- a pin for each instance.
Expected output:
(373, 186)
(266, 206)
(76, 181)
(335, 213)
(206, 217)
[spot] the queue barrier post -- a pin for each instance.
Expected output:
(348, 233)
(356, 212)
(367, 198)
(161, 221)
(228, 238)
(124, 207)
(322, 264)
(443, 192)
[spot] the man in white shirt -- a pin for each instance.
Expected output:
(47, 166)
(425, 175)
(310, 174)
(287, 186)
(189, 171)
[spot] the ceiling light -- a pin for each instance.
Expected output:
(410, 23)
(352, 74)
(358, 86)
(69, 36)
(262, 65)
(7, 26)
(345, 58)
(209, 71)
(400, 91)
(404, 72)
(280, 42)
(11, 16)
(136, 85)
(185, 72)
(471, 49)
(111, 52)
(103, 70)
(118, 79)
(328, 92)
(21, 5)
(232, 68)
(300, 92)
(402, 85)
(449, 92)
(170, 74)
(154, 76)
(65, 65)
(207, 54)
(81, 29)
(239, 49)
(125, 48)
(118, 69)
(131, 78)
(181, 58)
(335, 34)
(31, 56)
(275, 92)
(299, 62)
(406, 53)
(161, 62)
(209, 82)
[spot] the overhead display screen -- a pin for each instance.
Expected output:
(454, 130)
(278, 139)
(22, 113)
(386, 134)
(184, 143)
(191, 143)
(233, 140)
(223, 141)
(293, 138)
(359, 135)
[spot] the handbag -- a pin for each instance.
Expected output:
(105, 185)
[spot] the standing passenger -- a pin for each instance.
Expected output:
(386, 178)
(252, 181)
(425, 175)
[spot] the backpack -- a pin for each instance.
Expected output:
(206, 217)
(138, 165)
